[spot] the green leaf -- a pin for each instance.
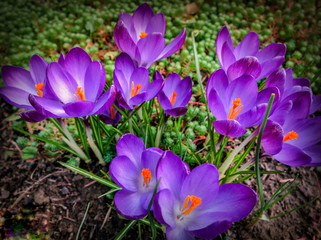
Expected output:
(125, 230)
(90, 175)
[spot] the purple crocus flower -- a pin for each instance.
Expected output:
(133, 83)
(20, 83)
(134, 170)
(270, 58)
(77, 83)
(235, 105)
(194, 204)
(112, 115)
(141, 36)
(175, 94)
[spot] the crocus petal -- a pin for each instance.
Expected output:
(142, 16)
(123, 39)
(79, 108)
(178, 233)
(249, 46)
(173, 172)
(129, 204)
(16, 97)
(164, 207)
(139, 76)
(156, 24)
(61, 59)
(244, 66)
(49, 107)
(276, 79)
(138, 99)
(315, 153)
(272, 139)
(173, 46)
(131, 146)
(280, 113)
(222, 37)
(179, 111)
(122, 84)
(218, 81)
(32, 116)
(153, 88)
(125, 64)
(252, 117)
(213, 230)
(234, 199)
(292, 156)
(230, 128)
(203, 183)
(270, 51)
(301, 104)
(61, 83)
(236, 90)
(95, 78)
(228, 57)
(127, 19)
(216, 106)
(124, 173)
(184, 92)
(18, 77)
(149, 48)
(304, 82)
(171, 83)
(38, 67)
(264, 97)
(315, 104)
(150, 158)
(76, 63)
(164, 101)
(269, 66)
(105, 101)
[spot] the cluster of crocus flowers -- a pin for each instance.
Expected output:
(189, 203)
(141, 36)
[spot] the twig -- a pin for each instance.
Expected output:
(29, 188)
(106, 217)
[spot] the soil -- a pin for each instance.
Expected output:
(39, 198)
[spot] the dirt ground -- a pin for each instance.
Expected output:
(40, 198)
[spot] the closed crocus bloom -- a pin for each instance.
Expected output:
(194, 204)
(141, 36)
(78, 84)
(270, 58)
(111, 115)
(234, 104)
(133, 83)
(175, 94)
(20, 83)
(134, 170)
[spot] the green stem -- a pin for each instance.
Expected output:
(92, 143)
(71, 142)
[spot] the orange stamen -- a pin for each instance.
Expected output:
(39, 88)
(147, 175)
(80, 93)
(173, 98)
(195, 201)
(134, 93)
(112, 112)
(290, 136)
(236, 104)
(143, 34)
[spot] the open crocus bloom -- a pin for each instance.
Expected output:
(78, 84)
(234, 104)
(175, 94)
(141, 36)
(134, 170)
(270, 58)
(194, 204)
(133, 83)
(20, 83)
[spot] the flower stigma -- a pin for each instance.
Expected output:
(290, 136)
(39, 88)
(112, 112)
(80, 93)
(195, 201)
(236, 105)
(143, 34)
(173, 98)
(147, 175)
(135, 92)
